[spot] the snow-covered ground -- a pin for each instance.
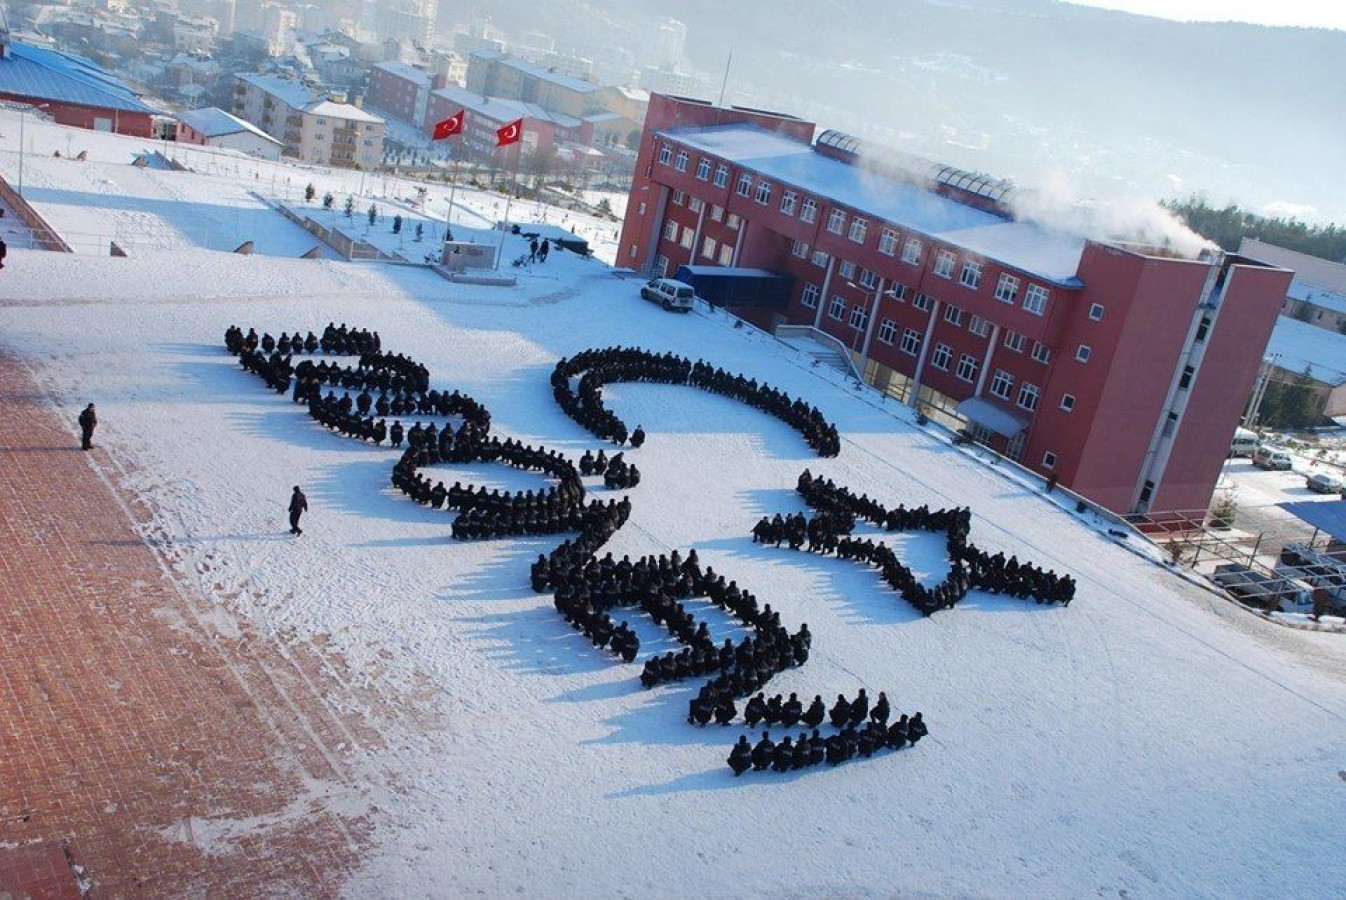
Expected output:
(224, 198)
(1150, 740)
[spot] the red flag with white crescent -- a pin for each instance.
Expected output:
(449, 127)
(509, 134)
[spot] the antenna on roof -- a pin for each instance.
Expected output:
(725, 83)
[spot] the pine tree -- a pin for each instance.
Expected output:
(397, 224)
(350, 207)
(328, 200)
(310, 192)
(373, 214)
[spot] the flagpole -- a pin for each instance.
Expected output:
(504, 226)
(453, 188)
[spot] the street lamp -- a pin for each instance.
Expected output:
(23, 116)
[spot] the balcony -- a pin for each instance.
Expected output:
(296, 122)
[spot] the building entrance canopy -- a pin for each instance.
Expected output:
(1325, 515)
(986, 413)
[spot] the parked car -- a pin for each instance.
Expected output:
(669, 294)
(1272, 459)
(1323, 483)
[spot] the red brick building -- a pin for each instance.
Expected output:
(1121, 369)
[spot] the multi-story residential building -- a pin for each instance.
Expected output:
(401, 91)
(543, 131)
(312, 126)
(1121, 369)
(494, 74)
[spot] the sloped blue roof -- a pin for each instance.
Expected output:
(41, 74)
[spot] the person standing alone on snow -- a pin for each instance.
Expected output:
(298, 506)
(87, 421)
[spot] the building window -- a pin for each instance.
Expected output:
(726, 254)
(810, 296)
(953, 315)
(799, 249)
(788, 201)
(1186, 380)
(944, 263)
(809, 211)
(680, 163)
(679, 198)
(1083, 352)
(717, 213)
(670, 231)
(887, 331)
(763, 195)
(708, 247)
(1146, 493)
(911, 341)
(1028, 396)
(846, 270)
(1014, 341)
(940, 358)
(970, 277)
(688, 235)
(979, 326)
(869, 279)
(731, 221)
(911, 252)
(897, 291)
(837, 309)
(721, 175)
(1096, 312)
(819, 258)
(836, 221)
(744, 187)
(1203, 329)
(1035, 301)
(695, 204)
(633, 251)
(665, 154)
(921, 302)
(967, 367)
(1049, 460)
(1171, 424)
(859, 228)
(641, 210)
(1007, 289)
(703, 169)
(1067, 402)
(1001, 384)
(888, 242)
(859, 317)
(1041, 353)
(660, 266)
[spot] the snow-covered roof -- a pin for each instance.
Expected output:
(568, 82)
(1309, 293)
(42, 74)
(1052, 255)
(1298, 346)
(404, 71)
(334, 110)
(289, 92)
(212, 121)
(501, 110)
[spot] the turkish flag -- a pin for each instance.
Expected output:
(509, 134)
(449, 127)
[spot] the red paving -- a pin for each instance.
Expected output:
(141, 753)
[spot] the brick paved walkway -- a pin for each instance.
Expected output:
(140, 753)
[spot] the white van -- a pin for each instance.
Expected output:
(670, 294)
(1244, 443)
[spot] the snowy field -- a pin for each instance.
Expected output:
(223, 199)
(1149, 740)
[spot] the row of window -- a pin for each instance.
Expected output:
(857, 230)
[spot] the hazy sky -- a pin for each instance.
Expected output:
(1308, 13)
